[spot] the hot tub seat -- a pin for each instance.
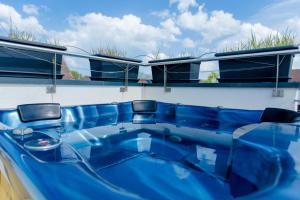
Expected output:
(184, 154)
(279, 115)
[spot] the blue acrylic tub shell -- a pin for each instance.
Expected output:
(104, 154)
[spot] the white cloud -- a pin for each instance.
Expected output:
(213, 30)
(293, 25)
(8, 14)
(206, 69)
(129, 32)
(282, 16)
(219, 28)
(31, 9)
(277, 13)
(188, 43)
(80, 65)
(183, 5)
(210, 26)
(170, 26)
(243, 32)
(161, 14)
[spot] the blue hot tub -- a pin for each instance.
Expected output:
(163, 151)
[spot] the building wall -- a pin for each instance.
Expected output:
(81, 95)
(15, 94)
(230, 97)
(243, 98)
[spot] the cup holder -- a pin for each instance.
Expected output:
(40, 145)
(22, 133)
(45, 144)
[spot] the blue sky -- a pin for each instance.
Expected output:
(170, 27)
(57, 11)
(56, 17)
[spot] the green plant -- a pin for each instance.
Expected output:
(271, 40)
(212, 78)
(76, 75)
(15, 33)
(156, 55)
(109, 51)
(54, 42)
(21, 35)
(185, 53)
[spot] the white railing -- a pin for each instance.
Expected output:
(14, 46)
